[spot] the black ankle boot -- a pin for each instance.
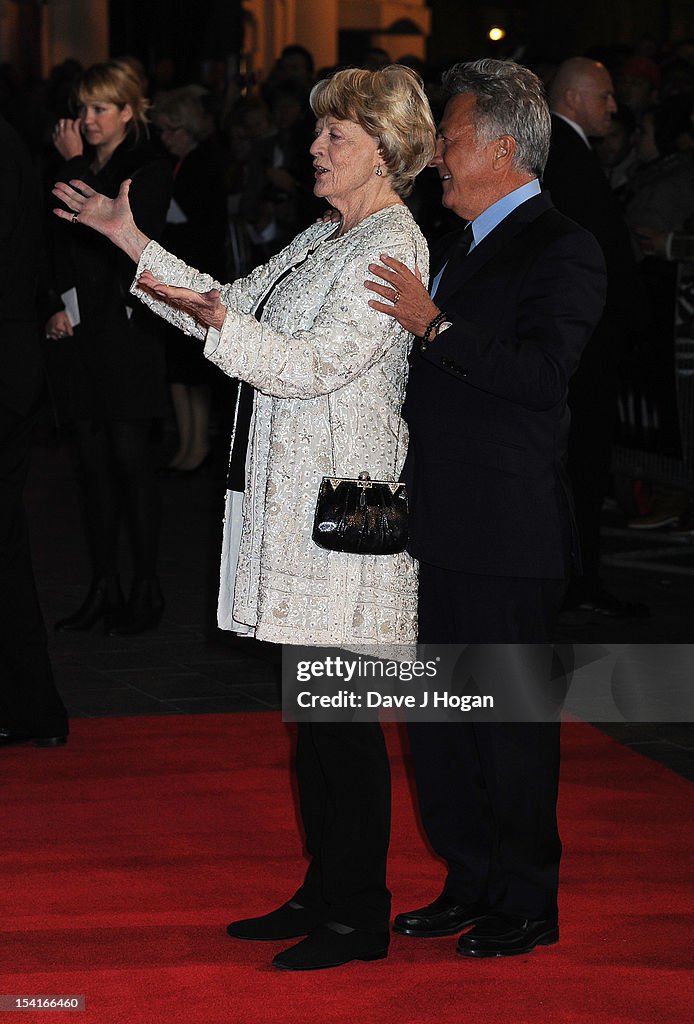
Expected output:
(104, 601)
(143, 611)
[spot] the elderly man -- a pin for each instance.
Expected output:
(582, 103)
(515, 295)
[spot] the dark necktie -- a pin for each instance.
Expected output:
(459, 250)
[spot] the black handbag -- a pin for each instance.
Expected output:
(362, 516)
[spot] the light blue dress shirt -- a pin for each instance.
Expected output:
(493, 216)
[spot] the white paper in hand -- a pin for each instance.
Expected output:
(72, 306)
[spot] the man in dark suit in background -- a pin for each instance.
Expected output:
(582, 103)
(30, 707)
(489, 516)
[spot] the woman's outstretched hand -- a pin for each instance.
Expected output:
(110, 217)
(205, 307)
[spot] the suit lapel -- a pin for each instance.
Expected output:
(490, 245)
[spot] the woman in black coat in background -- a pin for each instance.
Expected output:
(111, 352)
(196, 231)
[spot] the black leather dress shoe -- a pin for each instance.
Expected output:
(439, 918)
(9, 737)
(506, 936)
(331, 945)
(611, 607)
(287, 922)
(600, 602)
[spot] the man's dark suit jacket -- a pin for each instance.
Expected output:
(486, 402)
(20, 246)
(580, 190)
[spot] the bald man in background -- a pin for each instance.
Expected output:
(582, 103)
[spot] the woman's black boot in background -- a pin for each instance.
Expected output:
(104, 601)
(143, 611)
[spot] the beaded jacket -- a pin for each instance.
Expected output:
(330, 375)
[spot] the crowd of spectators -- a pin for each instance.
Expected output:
(264, 130)
(259, 134)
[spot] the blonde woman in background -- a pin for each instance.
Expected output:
(111, 356)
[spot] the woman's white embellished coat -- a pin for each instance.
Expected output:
(320, 358)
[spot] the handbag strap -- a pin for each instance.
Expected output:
(332, 445)
(258, 313)
(260, 308)
(243, 407)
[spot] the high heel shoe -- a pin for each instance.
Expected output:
(143, 611)
(104, 601)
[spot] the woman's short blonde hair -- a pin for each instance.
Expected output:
(114, 81)
(390, 105)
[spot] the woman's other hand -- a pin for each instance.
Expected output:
(110, 217)
(59, 326)
(204, 307)
(67, 138)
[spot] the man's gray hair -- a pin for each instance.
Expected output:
(510, 100)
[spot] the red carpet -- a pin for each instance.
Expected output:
(126, 853)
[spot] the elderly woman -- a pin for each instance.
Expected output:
(330, 374)
(196, 232)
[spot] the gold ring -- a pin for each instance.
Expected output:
(396, 297)
(75, 218)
